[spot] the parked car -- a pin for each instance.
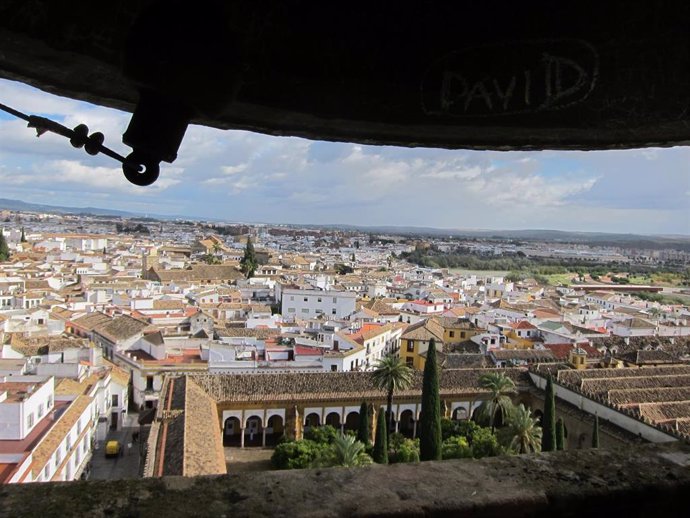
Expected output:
(113, 449)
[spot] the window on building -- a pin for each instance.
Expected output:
(335, 299)
(305, 310)
(409, 361)
(319, 299)
(291, 310)
(451, 334)
(334, 368)
(149, 382)
(84, 445)
(68, 442)
(462, 334)
(410, 346)
(40, 410)
(292, 298)
(79, 427)
(58, 457)
(30, 420)
(305, 299)
(333, 312)
(46, 472)
(116, 401)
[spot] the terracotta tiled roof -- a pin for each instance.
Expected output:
(118, 374)
(203, 445)
(121, 328)
(168, 304)
(424, 330)
(43, 452)
(92, 320)
(643, 357)
(45, 344)
(185, 439)
(332, 385)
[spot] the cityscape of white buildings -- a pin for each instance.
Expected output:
(91, 321)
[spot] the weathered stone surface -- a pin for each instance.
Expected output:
(647, 481)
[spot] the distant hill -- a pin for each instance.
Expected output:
(544, 235)
(55, 209)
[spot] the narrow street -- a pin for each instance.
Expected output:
(125, 466)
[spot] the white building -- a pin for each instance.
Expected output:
(42, 438)
(305, 304)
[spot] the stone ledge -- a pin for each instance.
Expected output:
(650, 480)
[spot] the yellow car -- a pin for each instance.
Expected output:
(113, 449)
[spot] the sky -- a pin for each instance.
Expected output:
(238, 176)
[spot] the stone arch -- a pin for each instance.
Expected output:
(275, 428)
(312, 419)
(460, 414)
(231, 432)
(406, 426)
(352, 421)
(582, 441)
(333, 419)
(253, 430)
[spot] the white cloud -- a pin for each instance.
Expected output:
(290, 179)
(233, 169)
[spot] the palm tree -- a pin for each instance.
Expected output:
(499, 387)
(524, 431)
(391, 374)
(349, 452)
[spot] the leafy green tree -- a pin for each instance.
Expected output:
(595, 432)
(343, 269)
(560, 434)
(299, 454)
(380, 453)
(456, 448)
(402, 449)
(430, 419)
(364, 422)
(321, 434)
(499, 387)
(548, 439)
(484, 443)
(523, 431)
(391, 374)
(4, 249)
(248, 263)
(23, 238)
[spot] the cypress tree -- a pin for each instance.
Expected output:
(595, 432)
(4, 249)
(363, 430)
(23, 238)
(248, 262)
(548, 425)
(380, 453)
(560, 434)
(430, 419)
